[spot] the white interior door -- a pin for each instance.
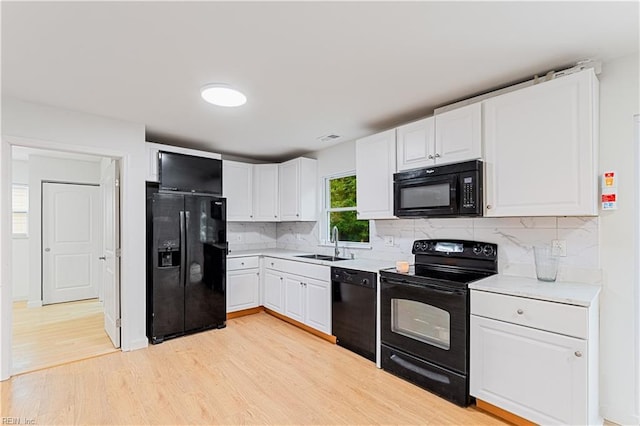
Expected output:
(110, 251)
(71, 242)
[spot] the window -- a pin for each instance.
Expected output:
(341, 210)
(19, 210)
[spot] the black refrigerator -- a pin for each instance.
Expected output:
(186, 263)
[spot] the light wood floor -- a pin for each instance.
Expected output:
(56, 334)
(258, 370)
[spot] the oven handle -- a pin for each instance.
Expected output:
(430, 288)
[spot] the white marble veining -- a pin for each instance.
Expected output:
(515, 237)
(570, 293)
(251, 235)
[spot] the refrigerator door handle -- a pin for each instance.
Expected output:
(183, 248)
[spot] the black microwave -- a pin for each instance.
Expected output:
(441, 191)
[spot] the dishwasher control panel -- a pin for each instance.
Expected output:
(355, 277)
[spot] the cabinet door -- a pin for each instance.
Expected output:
(289, 178)
(242, 289)
(540, 149)
(294, 297)
(317, 303)
(415, 144)
(273, 290)
(535, 374)
(265, 192)
(375, 165)
(459, 134)
(237, 184)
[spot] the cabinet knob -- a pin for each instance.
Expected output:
(520, 311)
(250, 215)
(297, 215)
(489, 206)
(578, 354)
(437, 155)
(276, 216)
(242, 263)
(430, 157)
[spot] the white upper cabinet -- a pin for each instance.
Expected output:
(416, 144)
(265, 193)
(152, 150)
(458, 134)
(375, 166)
(237, 185)
(298, 183)
(541, 149)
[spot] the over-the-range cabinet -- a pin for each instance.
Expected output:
(186, 263)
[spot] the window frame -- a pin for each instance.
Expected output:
(325, 232)
(24, 187)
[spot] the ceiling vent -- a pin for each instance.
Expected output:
(328, 138)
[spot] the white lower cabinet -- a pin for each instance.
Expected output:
(300, 291)
(273, 284)
(523, 361)
(243, 283)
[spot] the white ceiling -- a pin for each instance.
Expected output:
(308, 68)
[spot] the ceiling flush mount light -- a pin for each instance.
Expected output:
(223, 95)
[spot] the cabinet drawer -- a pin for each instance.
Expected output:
(236, 263)
(550, 316)
(320, 272)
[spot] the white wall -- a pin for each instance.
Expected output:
(49, 169)
(20, 245)
(619, 308)
(41, 126)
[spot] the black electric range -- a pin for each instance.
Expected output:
(425, 314)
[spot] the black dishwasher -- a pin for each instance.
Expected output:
(354, 310)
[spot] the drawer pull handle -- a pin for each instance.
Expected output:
(578, 354)
(520, 311)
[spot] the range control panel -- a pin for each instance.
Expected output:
(456, 248)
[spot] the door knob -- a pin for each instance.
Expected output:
(47, 249)
(102, 258)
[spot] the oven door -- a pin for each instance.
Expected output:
(427, 322)
(426, 196)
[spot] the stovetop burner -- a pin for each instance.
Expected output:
(449, 262)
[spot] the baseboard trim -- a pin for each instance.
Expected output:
(34, 304)
(244, 312)
(503, 414)
(320, 334)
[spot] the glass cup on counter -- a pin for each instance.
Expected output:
(546, 263)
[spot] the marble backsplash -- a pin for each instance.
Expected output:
(515, 238)
(251, 235)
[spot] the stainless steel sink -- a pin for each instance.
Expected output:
(321, 257)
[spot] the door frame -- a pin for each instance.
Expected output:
(42, 231)
(6, 288)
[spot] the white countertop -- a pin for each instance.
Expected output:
(562, 292)
(370, 265)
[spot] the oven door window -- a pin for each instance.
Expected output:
(421, 322)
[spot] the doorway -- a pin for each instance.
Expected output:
(72, 305)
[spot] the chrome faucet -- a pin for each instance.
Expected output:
(334, 240)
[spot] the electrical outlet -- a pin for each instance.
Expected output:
(388, 240)
(559, 248)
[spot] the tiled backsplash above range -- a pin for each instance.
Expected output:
(515, 238)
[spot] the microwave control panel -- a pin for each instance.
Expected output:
(468, 192)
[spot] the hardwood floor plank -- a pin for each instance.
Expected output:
(258, 370)
(56, 334)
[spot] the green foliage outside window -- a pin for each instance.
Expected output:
(342, 210)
